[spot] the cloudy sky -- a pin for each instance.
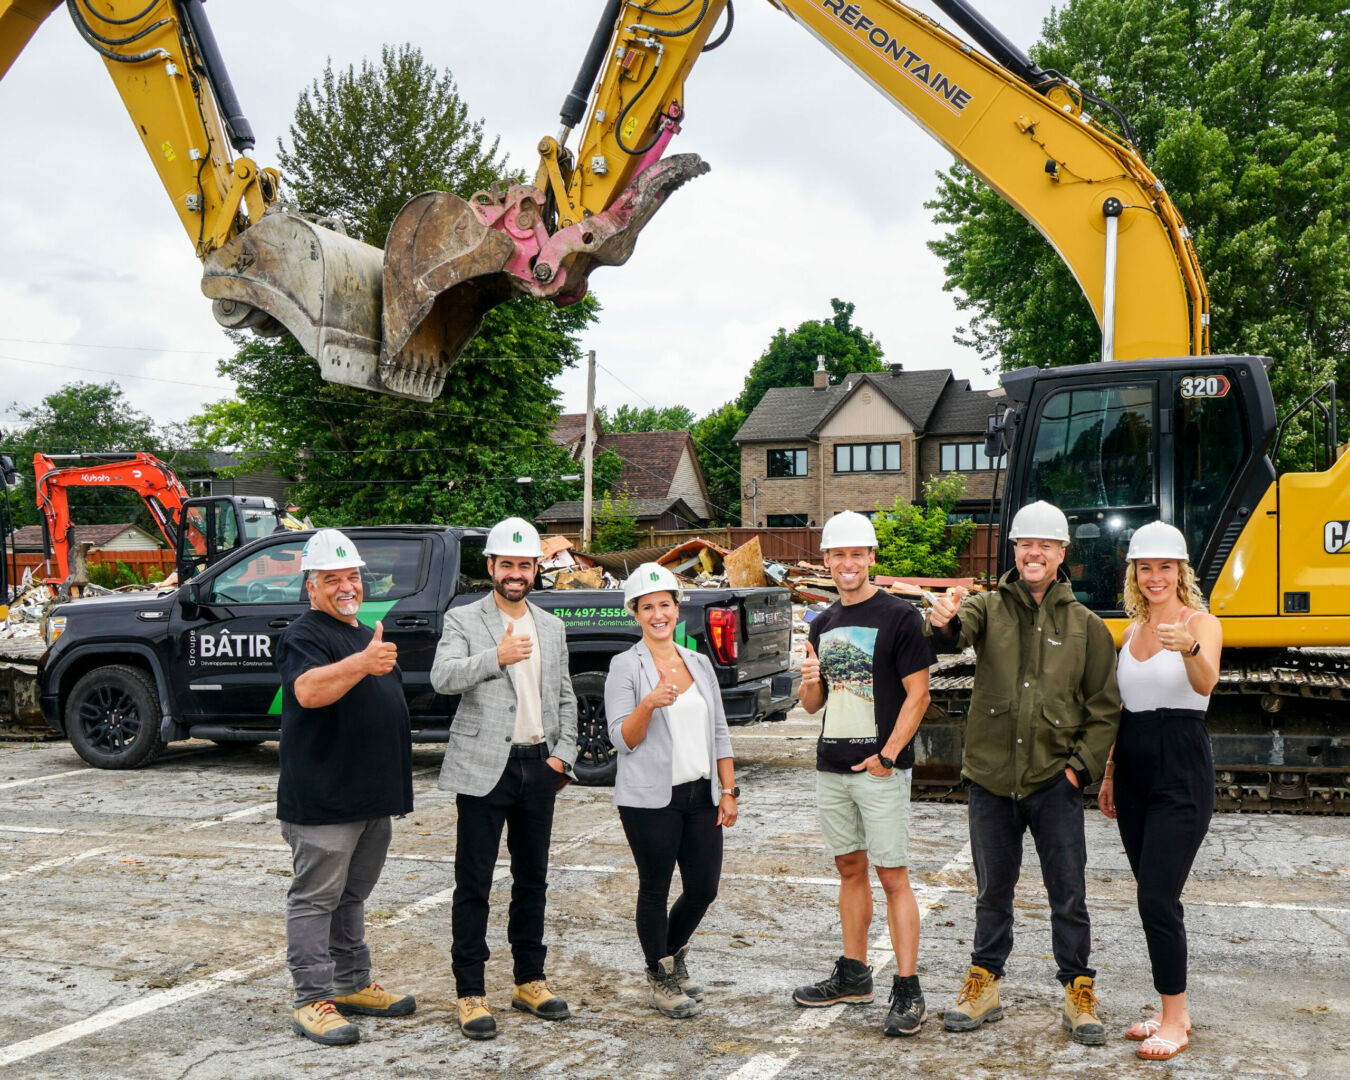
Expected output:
(816, 191)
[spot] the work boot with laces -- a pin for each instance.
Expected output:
(908, 1010)
(475, 1018)
(1080, 1012)
(849, 984)
(536, 998)
(976, 1004)
(375, 1000)
(690, 988)
(665, 992)
(320, 1021)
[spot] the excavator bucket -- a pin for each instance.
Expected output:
(448, 262)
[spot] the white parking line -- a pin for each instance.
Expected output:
(248, 811)
(31, 829)
(41, 779)
(52, 864)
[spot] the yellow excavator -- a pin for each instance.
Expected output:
(1162, 430)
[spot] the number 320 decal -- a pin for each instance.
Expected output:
(1204, 386)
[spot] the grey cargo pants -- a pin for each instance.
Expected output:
(336, 868)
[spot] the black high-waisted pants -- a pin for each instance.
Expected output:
(1164, 788)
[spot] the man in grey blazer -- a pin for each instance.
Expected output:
(512, 742)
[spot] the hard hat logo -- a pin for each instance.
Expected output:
(517, 537)
(655, 576)
(341, 553)
(650, 578)
(513, 537)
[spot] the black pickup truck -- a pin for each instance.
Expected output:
(126, 675)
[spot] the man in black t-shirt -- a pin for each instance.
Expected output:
(346, 769)
(867, 664)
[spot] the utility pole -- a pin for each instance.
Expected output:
(588, 454)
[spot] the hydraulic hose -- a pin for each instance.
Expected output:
(574, 105)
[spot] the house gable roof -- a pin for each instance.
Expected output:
(650, 460)
(29, 537)
(963, 411)
(794, 412)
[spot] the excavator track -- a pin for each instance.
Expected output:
(1277, 721)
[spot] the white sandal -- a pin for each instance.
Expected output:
(1157, 1042)
(1148, 1027)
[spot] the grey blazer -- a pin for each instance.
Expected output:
(466, 664)
(644, 771)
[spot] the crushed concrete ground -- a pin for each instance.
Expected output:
(143, 938)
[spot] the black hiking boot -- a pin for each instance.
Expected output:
(908, 1011)
(849, 984)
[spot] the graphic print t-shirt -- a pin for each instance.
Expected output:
(865, 652)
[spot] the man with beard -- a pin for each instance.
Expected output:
(512, 741)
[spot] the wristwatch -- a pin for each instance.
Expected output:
(886, 763)
(734, 792)
(1194, 650)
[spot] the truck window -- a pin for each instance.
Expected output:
(473, 571)
(395, 567)
(270, 577)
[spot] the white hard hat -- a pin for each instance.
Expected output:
(847, 529)
(514, 536)
(1040, 520)
(330, 549)
(1157, 540)
(650, 577)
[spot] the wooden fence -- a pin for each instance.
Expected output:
(140, 561)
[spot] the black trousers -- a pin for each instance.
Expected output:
(1054, 814)
(684, 833)
(1164, 791)
(522, 801)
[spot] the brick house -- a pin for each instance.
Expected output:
(808, 452)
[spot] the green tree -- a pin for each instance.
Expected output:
(720, 460)
(615, 526)
(627, 418)
(923, 541)
(82, 417)
(790, 358)
(1244, 111)
(364, 142)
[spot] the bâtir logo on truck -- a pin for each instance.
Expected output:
(229, 649)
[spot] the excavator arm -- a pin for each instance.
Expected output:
(1024, 131)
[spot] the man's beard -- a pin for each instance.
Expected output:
(500, 588)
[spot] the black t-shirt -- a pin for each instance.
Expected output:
(349, 761)
(865, 650)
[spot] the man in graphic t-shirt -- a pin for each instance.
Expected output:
(867, 664)
(346, 769)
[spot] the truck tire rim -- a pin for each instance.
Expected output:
(110, 719)
(593, 746)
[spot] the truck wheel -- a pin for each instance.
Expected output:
(597, 760)
(112, 718)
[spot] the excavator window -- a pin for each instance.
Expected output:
(1095, 457)
(1210, 438)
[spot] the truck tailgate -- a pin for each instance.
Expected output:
(766, 634)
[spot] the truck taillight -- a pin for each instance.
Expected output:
(723, 626)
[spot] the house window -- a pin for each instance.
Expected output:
(787, 462)
(867, 457)
(787, 521)
(968, 457)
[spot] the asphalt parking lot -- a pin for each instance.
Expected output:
(143, 938)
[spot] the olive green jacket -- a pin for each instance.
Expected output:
(1045, 695)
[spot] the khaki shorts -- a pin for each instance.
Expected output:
(860, 811)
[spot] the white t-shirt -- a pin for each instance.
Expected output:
(528, 676)
(688, 719)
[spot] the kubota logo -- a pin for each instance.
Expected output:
(1336, 537)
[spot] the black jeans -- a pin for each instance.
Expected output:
(1054, 814)
(522, 801)
(1164, 802)
(684, 832)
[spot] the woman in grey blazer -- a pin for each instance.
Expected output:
(676, 784)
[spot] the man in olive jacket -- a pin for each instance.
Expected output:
(1043, 717)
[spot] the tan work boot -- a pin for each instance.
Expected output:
(475, 1018)
(666, 995)
(976, 1004)
(1080, 1013)
(690, 988)
(320, 1021)
(535, 997)
(375, 1000)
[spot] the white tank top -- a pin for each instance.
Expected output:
(688, 719)
(1156, 683)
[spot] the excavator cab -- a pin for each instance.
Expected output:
(215, 525)
(1116, 446)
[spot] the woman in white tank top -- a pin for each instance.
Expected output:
(1159, 783)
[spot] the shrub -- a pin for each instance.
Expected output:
(922, 541)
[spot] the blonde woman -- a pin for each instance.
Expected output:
(1159, 784)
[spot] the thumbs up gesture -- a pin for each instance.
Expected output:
(944, 607)
(513, 647)
(380, 656)
(810, 667)
(664, 693)
(1173, 636)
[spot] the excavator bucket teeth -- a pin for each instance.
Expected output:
(321, 285)
(444, 269)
